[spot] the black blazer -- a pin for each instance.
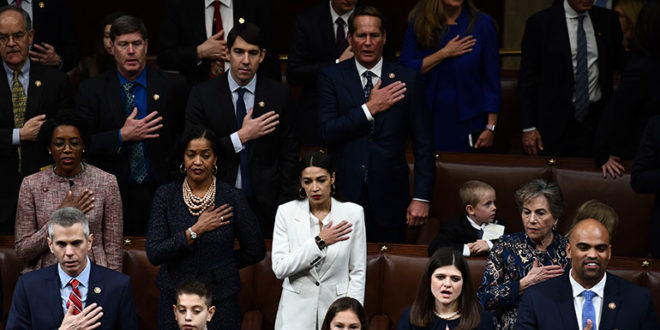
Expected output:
(549, 305)
(546, 82)
(455, 233)
(273, 158)
(346, 132)
(49, 91)
(183, 29)
(99, 103)
(54, 24)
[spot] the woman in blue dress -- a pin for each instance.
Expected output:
(454, 47)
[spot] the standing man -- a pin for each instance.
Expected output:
(319, 40)
(251, 114)
(194, 33)
(134, 113)
(74, 293)
(368, 109)
(29, 92)
(570, 52)
(588, 298)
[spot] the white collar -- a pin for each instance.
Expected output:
(376, 70)
(83, 277)
(571, 13)
(233, 85)
(209, 3)
(599, 288)
(474, 224)
(334, 14)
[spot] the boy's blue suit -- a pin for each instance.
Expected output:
(37, 304)
(549, 305)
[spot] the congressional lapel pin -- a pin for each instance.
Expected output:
(45, 189)
(42, 5)
(156, 97)
(262, 104)
(392, 75)
(241, 20)
(611, 306)
(37, 83)
(97, 290)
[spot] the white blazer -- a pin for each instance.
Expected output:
(306, 292)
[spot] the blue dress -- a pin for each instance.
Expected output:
(460, 91)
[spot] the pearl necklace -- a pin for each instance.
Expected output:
(197, 205)
(75, 176)
(448, 317)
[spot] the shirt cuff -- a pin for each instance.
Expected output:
(367, 113)
(421, 200)
(490, 244)
(236, 142)
(466, 250)
(16, 137)
(529, 129)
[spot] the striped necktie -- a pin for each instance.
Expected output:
(74, 297)
(18, 101)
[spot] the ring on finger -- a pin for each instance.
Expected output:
(222, 218)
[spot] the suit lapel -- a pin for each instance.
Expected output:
(303, 227)
(95, 290)
(35, 90)
(333, 250)
(564, 296)
(53, 297)
(330, 30)
(611, 300)
(5, 94)
(113, 95)
(155, 102)
(199, 20)
(226, 110)
(353, 82)
(564, 42)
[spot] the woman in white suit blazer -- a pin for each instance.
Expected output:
(319, 249)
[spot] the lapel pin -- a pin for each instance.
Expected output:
(156, 97)
(42, 5)
(37, 83)
(262, 104)
(241, 20)
(392, 75)
(45, 189)
(611, 306)
(97, 290)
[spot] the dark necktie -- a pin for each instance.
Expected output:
(588, 310)
(480, 233)
(246, 183)
(341, 35)
(19, 102)
(138, 169)
(581, 74)
(18, 3)
(217, 67)
(74, 297)
(369, 85)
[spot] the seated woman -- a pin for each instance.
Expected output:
(345, 313)
(520, 260)
(192, 229)
(445, 297)
(69, 182)
(319, 248)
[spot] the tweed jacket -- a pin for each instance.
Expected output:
(42, 193)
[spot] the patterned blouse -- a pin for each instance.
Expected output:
(510, 259)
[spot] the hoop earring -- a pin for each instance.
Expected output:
(301, 193)
(214, 169)
(182, 169)
(332, 189)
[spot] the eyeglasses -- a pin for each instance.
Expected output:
(74, 144)
(16, 36)
(123, 45)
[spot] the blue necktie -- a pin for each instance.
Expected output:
(246, 184)
(137, 169)
(581, 74)
(588, 311)
(368, 86)
(601, 3)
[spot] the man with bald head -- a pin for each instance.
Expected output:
(588, 297)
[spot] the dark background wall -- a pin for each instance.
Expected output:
(88, 16)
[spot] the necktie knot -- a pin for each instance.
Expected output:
(216, 4)
(339, 21)
(588, 295)
(74, 283)
(16, 73)
(128, 87)
(581, 18)
(241, 92)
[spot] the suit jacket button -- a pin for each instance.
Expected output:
(317, 283)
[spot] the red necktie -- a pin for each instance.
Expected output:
(18, 3)
(74, 297)
(217, 67)
(341, 35)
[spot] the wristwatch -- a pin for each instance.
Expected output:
(193, 234)
(320, 242)
(491, 128)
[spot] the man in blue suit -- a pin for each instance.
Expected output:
(74, 293)
(588, 298)
(368, 107)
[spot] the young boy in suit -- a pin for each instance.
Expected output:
(465, 233)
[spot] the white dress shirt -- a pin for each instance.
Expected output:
(466, 249)
(344, 17)
(248, 99)
(592, 48)
(227, 14)
(376, 73)
(578, 300)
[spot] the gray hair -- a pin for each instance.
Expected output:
(27, 22)
(540, 187)
(67, 217)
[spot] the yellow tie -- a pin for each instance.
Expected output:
(18, 101)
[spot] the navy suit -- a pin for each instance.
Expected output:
(549, 305)
(37, 304)
(381, 154)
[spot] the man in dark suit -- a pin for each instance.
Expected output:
(29, 92)
(570, 52)
(319, 39)
(251, 114)
(193, 36)
(588, 297)
(55, 40)
(74, 293)
(368, 107)
(134, 114)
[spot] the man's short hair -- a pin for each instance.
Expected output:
(366, 11)
(202, 289)
(472, 191)
(127, 24)
(27, 22)
(249, 32)
(67, 217)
